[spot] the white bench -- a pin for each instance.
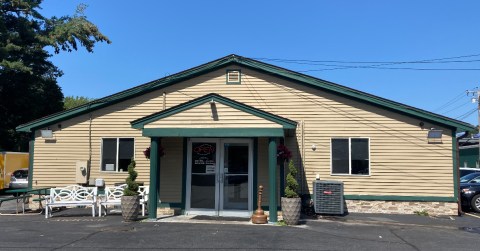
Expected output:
(113, 197)
(73, 195)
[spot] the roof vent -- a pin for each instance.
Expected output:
(233, 77)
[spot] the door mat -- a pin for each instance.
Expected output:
(219, 218)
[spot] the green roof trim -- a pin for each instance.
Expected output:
(213, 132)
(286, 123)
(256, 65)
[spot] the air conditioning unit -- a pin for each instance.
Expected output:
(328, 197)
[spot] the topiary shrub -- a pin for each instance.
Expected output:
(291, 185)
(132, 186)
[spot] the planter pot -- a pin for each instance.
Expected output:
(291, 210)
(130, 207)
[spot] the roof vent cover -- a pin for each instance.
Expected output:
(233, 77)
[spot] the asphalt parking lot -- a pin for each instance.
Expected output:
(74, 229)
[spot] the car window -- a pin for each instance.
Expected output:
(20, 174)
(476, 180)
(469, 177)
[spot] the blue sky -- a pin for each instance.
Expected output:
(152, 39)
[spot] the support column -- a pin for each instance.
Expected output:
(31, 145)
(154, 178)
(272, 177)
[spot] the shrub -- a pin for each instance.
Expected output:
(132, 186)
(291, 185)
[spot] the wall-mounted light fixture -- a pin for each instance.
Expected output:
(46, 134)
(314, 147)
(434, 136)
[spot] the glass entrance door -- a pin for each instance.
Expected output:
(219, 177)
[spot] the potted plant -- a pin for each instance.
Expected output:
(130, 202)
(291, 203)
(161, 152)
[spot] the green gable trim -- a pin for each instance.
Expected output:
(400, 198)
(455, 154)
(286, 123)
(256, 65)
(213, 132)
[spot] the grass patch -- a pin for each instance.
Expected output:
(421, 213)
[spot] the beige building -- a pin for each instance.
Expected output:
(214, 131)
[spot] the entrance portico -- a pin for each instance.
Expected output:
(220, 136)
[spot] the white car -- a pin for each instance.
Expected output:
(19, 179)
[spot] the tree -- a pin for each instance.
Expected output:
(28, 80)
(70, 102)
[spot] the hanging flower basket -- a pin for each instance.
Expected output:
(283, 154)
(161, 152)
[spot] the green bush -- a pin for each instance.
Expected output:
(291, 185)
(132, 186)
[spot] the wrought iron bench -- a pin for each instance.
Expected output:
(73, 195)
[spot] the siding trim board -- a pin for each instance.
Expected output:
(286, 123)
(399, 198)
(256, 65)
(213, 132)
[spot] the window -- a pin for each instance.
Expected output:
(351, 156)
(233, 77)
(117, 154)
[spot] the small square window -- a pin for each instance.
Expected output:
(234, 77)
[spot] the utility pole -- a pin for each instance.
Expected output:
(476, 99)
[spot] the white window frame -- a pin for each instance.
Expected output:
(350, 157)
(234, 82)
(116, 156)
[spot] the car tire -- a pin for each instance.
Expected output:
(475, 203)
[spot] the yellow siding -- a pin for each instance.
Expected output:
(402, 162)
(171, 170)
(220, 116)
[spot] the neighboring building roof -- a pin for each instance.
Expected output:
(256, 65)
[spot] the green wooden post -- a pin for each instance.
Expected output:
(31, 146)
(154, 178)
(272, 176)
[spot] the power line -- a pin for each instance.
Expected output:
(369, 62)
(451, 102)
(457, 107)
(467, 114)
(379, 64)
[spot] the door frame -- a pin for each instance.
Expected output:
(219, 165)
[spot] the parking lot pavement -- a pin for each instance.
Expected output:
(75, 229)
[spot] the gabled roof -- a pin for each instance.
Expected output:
(256, 65)
(285, 123)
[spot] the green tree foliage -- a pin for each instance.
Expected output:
(132, 186)
(70, 102)
(28, 80)
(291, 186)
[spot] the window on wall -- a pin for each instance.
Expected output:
(117, 154)
(351, 156)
